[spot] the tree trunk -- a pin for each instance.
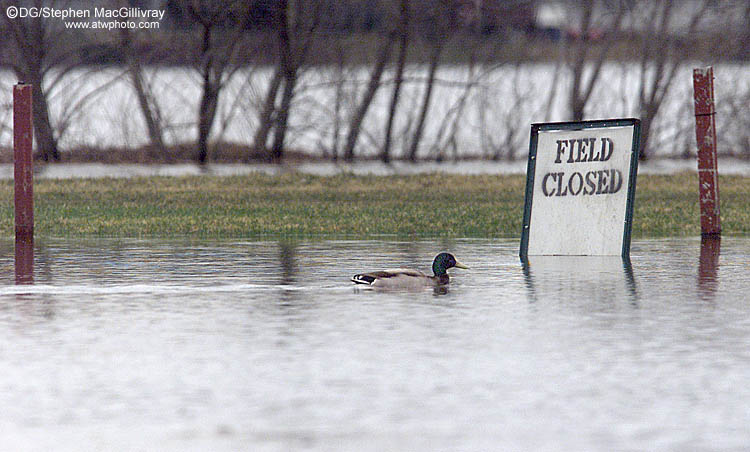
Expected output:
(553, 84)
(651, 95)
(207, 112)
(29, 36)
(215, 59)
(45, 135)
(145, 101)
(207, 109)
(292, 56)
(372, 87)
(289, 72)
(434, 60)
(581, 92)
(43, 131)
(646, 122)
(337, 107)
(153, 123)
(401, 62)
(576, 101)
(265, 117)
(277, 150)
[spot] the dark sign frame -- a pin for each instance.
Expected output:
(581, 125)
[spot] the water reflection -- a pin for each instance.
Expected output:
(24, 260)
(708, 266)
(592, 278)
(627, 268)
(440, 290)
(288, 262)
(437, 291)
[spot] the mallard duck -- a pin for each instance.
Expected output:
(404, 277)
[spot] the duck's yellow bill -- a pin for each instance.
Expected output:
(460, 265)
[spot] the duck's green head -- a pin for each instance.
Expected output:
(443, 262)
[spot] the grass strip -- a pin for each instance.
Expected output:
(429, 205)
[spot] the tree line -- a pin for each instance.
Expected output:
(218, 40)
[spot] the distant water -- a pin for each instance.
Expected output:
(264, 345)
(485, 110)
(94, 170)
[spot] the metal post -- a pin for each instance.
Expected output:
(23, 175)
(705, 133)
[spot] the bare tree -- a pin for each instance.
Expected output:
(581, 87)
(744, 50)
(659, 63)
(296, 23)
(553, 85)
(221, 28)
(436, 28)
(517, 96)
(734, 131)
(295, 39)
(453, 119)
(373, 84)
(403, 33)
(35, 51)
(339, 98)
(144, 94)
(266, 112)
(288, 71)
(437, 48)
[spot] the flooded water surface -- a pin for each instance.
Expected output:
(266, 345)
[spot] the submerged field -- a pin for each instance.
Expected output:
(435, 205)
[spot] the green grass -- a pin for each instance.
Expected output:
(667, 206)
(432, 205)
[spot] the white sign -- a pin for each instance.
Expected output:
(580, 186)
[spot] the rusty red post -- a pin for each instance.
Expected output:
(23, 174)
(705, 134)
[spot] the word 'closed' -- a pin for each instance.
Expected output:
(600, 182)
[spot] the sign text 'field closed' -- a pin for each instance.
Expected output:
(580, 187)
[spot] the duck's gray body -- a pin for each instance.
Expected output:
(399, 277)
(408, 278)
